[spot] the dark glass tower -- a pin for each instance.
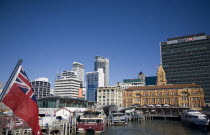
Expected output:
(186, 59)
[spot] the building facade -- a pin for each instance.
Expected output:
(186, 60)
(111, 95)
(78, 68)
(103, 63)
(41, 87)
(94, 80)
(67, 87)
(179, 95)
(68, 83)
(50, 104)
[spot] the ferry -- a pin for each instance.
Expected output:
(92, 121)
(118, 118)
(194, 117)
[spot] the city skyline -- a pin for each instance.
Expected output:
(127, 33)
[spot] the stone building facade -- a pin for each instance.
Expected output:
(111, 95)
(179, 95)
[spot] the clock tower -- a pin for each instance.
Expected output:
(161, 76)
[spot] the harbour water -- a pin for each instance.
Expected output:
(155, 127)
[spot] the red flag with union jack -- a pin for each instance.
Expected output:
(19, 96)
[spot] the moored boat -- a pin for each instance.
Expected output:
(194, 117)
(93, 121)
(118, 118)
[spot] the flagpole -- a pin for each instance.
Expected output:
(10, 79)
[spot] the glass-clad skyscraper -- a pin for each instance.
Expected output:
(94, 80)
(186, 59)
(103, 63)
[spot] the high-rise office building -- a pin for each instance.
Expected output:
(41, 87)
(78, 68)
(67, 86)
(186, 59)
(94, 80)
(103, 63)
(68, 83)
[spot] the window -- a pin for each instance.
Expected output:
(129, 94)
(130, 100)
(184, 99)
(184, 93)
(137, 94)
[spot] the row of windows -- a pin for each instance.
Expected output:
(192, 78)
(200, 75)
(107, 90)
(184, 50)
(164, 99)
(178, 66)
(185, 70)
(184, 59)
(63, 103)
(165, 48)
(175, 62)
(184, 54)
(112, 96)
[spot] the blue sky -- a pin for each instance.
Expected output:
(50, 35)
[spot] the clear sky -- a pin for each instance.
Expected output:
(50, 35)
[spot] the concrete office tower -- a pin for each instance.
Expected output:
(68, 85)
(186, 59)
(79, 70)
(41, 87)
(103, 63)
(94, 80)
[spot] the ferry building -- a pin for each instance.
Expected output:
(179, 95)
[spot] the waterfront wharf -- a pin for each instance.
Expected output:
(150, 113)
(168, 111)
